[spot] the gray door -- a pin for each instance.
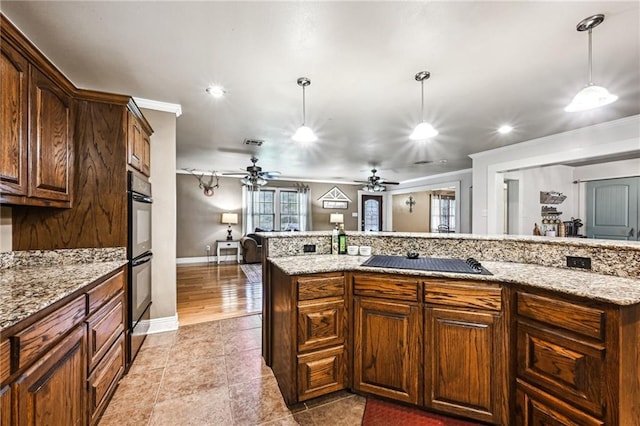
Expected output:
(612, 209)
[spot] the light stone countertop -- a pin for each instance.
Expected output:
(25, 290)
(604, 288)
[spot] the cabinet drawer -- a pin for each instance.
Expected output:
(580, 319)
(104, 327)
(464, 294)
(100, 294)
(320, 373)
(320, 325)
(34, 340)
(5, 360)
(226, 245)
(319, 287)
(386, 287)
(105, 378)
(570, 369)
(536, 408)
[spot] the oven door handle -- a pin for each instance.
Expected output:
(141, 198)
(141, 260)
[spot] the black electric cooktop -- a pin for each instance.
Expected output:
(469, 266)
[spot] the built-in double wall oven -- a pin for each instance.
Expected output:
(140, 255)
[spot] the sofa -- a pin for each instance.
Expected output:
(251, 248)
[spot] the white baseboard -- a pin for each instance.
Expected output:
(205, 259)
(202, 259)
(159, 325)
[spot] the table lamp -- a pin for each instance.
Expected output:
(229, 219)
(336, 218)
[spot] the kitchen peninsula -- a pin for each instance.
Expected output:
(533, 342)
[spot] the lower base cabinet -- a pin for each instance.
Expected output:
(51, 392)
(387, 349)
(5, 405)
(321, 372)
(104, 379)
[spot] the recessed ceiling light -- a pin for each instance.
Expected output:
(216, 91)
(504, 129)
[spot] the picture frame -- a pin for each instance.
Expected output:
(335, 204)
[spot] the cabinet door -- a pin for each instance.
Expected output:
(463, 358)
(135, 142)
(387, 348)
(146, 154)
(13, 128)
(50, 150)
(52, 391)
(5, 406)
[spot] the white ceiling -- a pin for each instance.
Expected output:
(490, 62)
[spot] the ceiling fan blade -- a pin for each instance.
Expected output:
(387, 182)
(270, 175)
(239, 174)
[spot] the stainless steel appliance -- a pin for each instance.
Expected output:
(140, 255)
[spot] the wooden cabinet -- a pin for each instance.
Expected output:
(5, 405)
(36, 164)
(14, 81)
(52, 391)
(577, 361)
(387, 340)
(62, 365)
(466, 350)
(310, 321)
(138, 143)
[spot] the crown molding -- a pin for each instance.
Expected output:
(159, 106)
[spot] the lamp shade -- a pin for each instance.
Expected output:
(304, 134)
(336, 218)
(423, 131)
(591, 97)
(230, 218)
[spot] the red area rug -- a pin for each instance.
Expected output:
(382, 413)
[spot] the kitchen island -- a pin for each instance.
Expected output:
(529, 343)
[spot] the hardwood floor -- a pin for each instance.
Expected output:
(208, 292)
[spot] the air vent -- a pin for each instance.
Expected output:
(253, 142)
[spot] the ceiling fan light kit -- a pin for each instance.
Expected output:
(591, 96)
(304, 133)
(423, 130)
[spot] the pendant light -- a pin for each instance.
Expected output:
(591, 96)
(304, 133)
(423, 130)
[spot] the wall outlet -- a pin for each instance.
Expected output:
(309, 248)
(579, 262)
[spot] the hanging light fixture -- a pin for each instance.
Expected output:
(423, 130)
(304, 133)
(591, 96)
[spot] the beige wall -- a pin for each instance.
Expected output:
(5, 229)
(163, 164)
(418, 220)
(199, 216)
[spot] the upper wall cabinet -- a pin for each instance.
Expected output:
(36, 165)
(138, 141)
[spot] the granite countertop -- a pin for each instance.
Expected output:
(25, 290)
(619, 291)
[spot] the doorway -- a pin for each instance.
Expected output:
(371, 213)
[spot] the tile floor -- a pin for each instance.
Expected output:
(213, 374)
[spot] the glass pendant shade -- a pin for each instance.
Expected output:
(591, 97)
(423, 131)
(304, 134)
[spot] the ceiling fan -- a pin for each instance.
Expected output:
(254, 175)
(375, 183)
